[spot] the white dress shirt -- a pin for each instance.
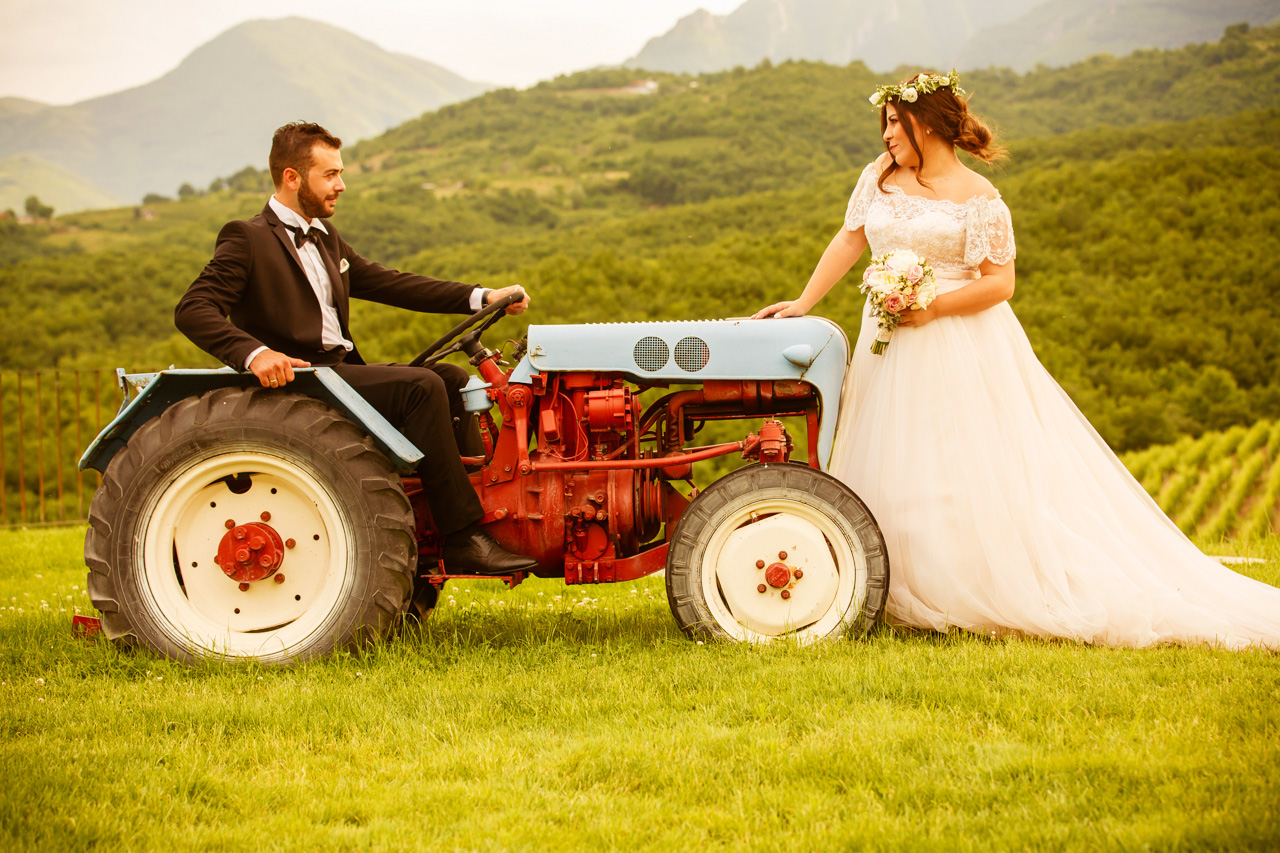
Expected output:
(318, 276)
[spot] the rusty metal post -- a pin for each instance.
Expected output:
(79, 447)
(97, 415)
(22, 480)
(40, 443)
(57, 430)
(4, 503)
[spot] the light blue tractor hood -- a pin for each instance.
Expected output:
(811, 349)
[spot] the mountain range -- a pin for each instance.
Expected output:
(214, 114)
(886, 34)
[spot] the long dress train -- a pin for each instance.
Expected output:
(1002, 508)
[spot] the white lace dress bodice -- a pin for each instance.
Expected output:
(1002, 509)
(954, 237)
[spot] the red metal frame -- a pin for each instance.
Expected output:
(580, 478)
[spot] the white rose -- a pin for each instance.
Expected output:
(875, 99)
(902, 260)
(909, 95)
(879, 283)
(944, 81)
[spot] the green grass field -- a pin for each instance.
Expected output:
(568, 717)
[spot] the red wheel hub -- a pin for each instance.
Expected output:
(778, 575)
(250, 552)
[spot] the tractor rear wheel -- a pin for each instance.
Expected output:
(774, 551)
(249, 524)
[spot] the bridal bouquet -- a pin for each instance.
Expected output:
(895, 282)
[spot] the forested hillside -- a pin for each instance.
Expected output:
(1144, 193)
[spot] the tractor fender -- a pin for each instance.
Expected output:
(146, 395)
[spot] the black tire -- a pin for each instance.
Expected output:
(157, 521)
(756, 515)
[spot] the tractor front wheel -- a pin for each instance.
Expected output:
(774, 551)
(249, 524)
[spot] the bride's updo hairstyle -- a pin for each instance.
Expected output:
(924, 101)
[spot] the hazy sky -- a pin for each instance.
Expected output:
(62, 51)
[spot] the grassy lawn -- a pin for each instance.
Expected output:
(569, 717)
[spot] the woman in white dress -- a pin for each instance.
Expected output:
(1003, 509)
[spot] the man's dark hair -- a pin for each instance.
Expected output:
(291, 148)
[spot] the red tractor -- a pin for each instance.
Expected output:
(240, 522)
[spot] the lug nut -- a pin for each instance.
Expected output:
(266, 516)
(782, 555)
(786, 593)
(762, 588)
(242, 555)
(239, 533)
(759, 564)
(244, 587)
(265, 561)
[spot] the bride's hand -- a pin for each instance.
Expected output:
(917, 317)
(778, 309)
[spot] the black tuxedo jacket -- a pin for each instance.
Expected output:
(257, 280)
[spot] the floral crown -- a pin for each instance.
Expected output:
(924, 84)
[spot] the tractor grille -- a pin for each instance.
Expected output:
(692, 354)
(651, 353)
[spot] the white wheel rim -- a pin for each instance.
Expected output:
(833, 582)
(188, 519)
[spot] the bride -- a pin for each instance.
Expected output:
(1003, 510)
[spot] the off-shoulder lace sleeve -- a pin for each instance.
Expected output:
(860, 202)
(988, 232)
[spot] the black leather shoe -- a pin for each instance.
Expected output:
(475, 551)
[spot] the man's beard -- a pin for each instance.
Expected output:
(312, 205)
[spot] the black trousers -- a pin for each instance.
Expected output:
(423, 403)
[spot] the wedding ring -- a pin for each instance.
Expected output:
(274, 382)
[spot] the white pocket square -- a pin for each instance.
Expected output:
(343, 266)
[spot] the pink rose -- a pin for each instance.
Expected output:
(913, 297)
(915, 273)
(895, 303)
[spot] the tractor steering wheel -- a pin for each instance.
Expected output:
(486, 317)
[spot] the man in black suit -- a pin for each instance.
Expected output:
(284, 279)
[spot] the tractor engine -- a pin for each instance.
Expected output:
(578, 473)
(537, 495)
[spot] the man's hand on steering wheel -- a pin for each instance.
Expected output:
(516, 308)
(507, 300)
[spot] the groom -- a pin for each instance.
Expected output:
(284, 278)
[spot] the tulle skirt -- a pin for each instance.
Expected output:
(1003, 509)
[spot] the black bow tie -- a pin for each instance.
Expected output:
(301, 239)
